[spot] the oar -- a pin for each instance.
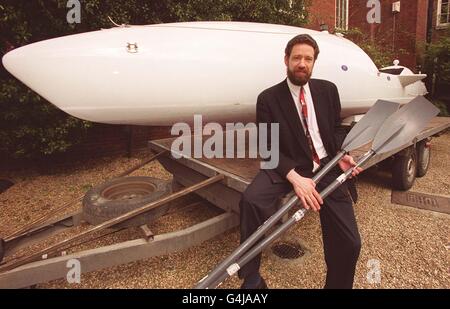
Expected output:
(399, 129)
(362, 133)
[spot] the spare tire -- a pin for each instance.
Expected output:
(121, 195)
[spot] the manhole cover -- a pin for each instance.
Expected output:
(288, 250)
(421, 200)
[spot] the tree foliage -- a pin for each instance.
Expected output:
(437, 57)
(435, 61)
(437, 67)
(379, 50)
(29, 125)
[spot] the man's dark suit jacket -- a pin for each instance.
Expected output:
(276, 105)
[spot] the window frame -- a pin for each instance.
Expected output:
(440, 24)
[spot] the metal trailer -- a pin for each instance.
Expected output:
(219, 181)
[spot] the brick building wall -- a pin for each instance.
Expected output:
(322, 12)
(437, 31)
(403, 32)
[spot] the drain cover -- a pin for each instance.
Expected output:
(288, 250)
(421, 200)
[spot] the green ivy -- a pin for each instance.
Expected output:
(379, 50)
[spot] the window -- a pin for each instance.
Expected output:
(443, 13)
(342, 14)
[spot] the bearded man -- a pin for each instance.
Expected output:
(308, 113)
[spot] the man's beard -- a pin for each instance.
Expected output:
(298, 80)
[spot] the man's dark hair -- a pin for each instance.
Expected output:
(302, 39)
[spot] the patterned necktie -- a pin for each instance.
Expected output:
(305, 121)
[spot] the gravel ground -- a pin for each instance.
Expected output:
(408, 243)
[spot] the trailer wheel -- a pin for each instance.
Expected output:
(404, 169)
(121, 195)
(423, 158)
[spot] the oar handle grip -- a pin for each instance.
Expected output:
(346, 175)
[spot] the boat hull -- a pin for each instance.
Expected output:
(216, 69)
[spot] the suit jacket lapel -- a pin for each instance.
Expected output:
(290, 111)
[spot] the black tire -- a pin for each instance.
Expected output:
(404, 170)
(423, 158)
(121, 195)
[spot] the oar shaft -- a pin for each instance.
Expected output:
(261, 231)
(344, 176)
(298, 215)
(246, 245)
(330, 165)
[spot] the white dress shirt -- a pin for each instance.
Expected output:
(311, 121)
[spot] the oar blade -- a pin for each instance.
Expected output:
(402, 126)
(365, 130)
